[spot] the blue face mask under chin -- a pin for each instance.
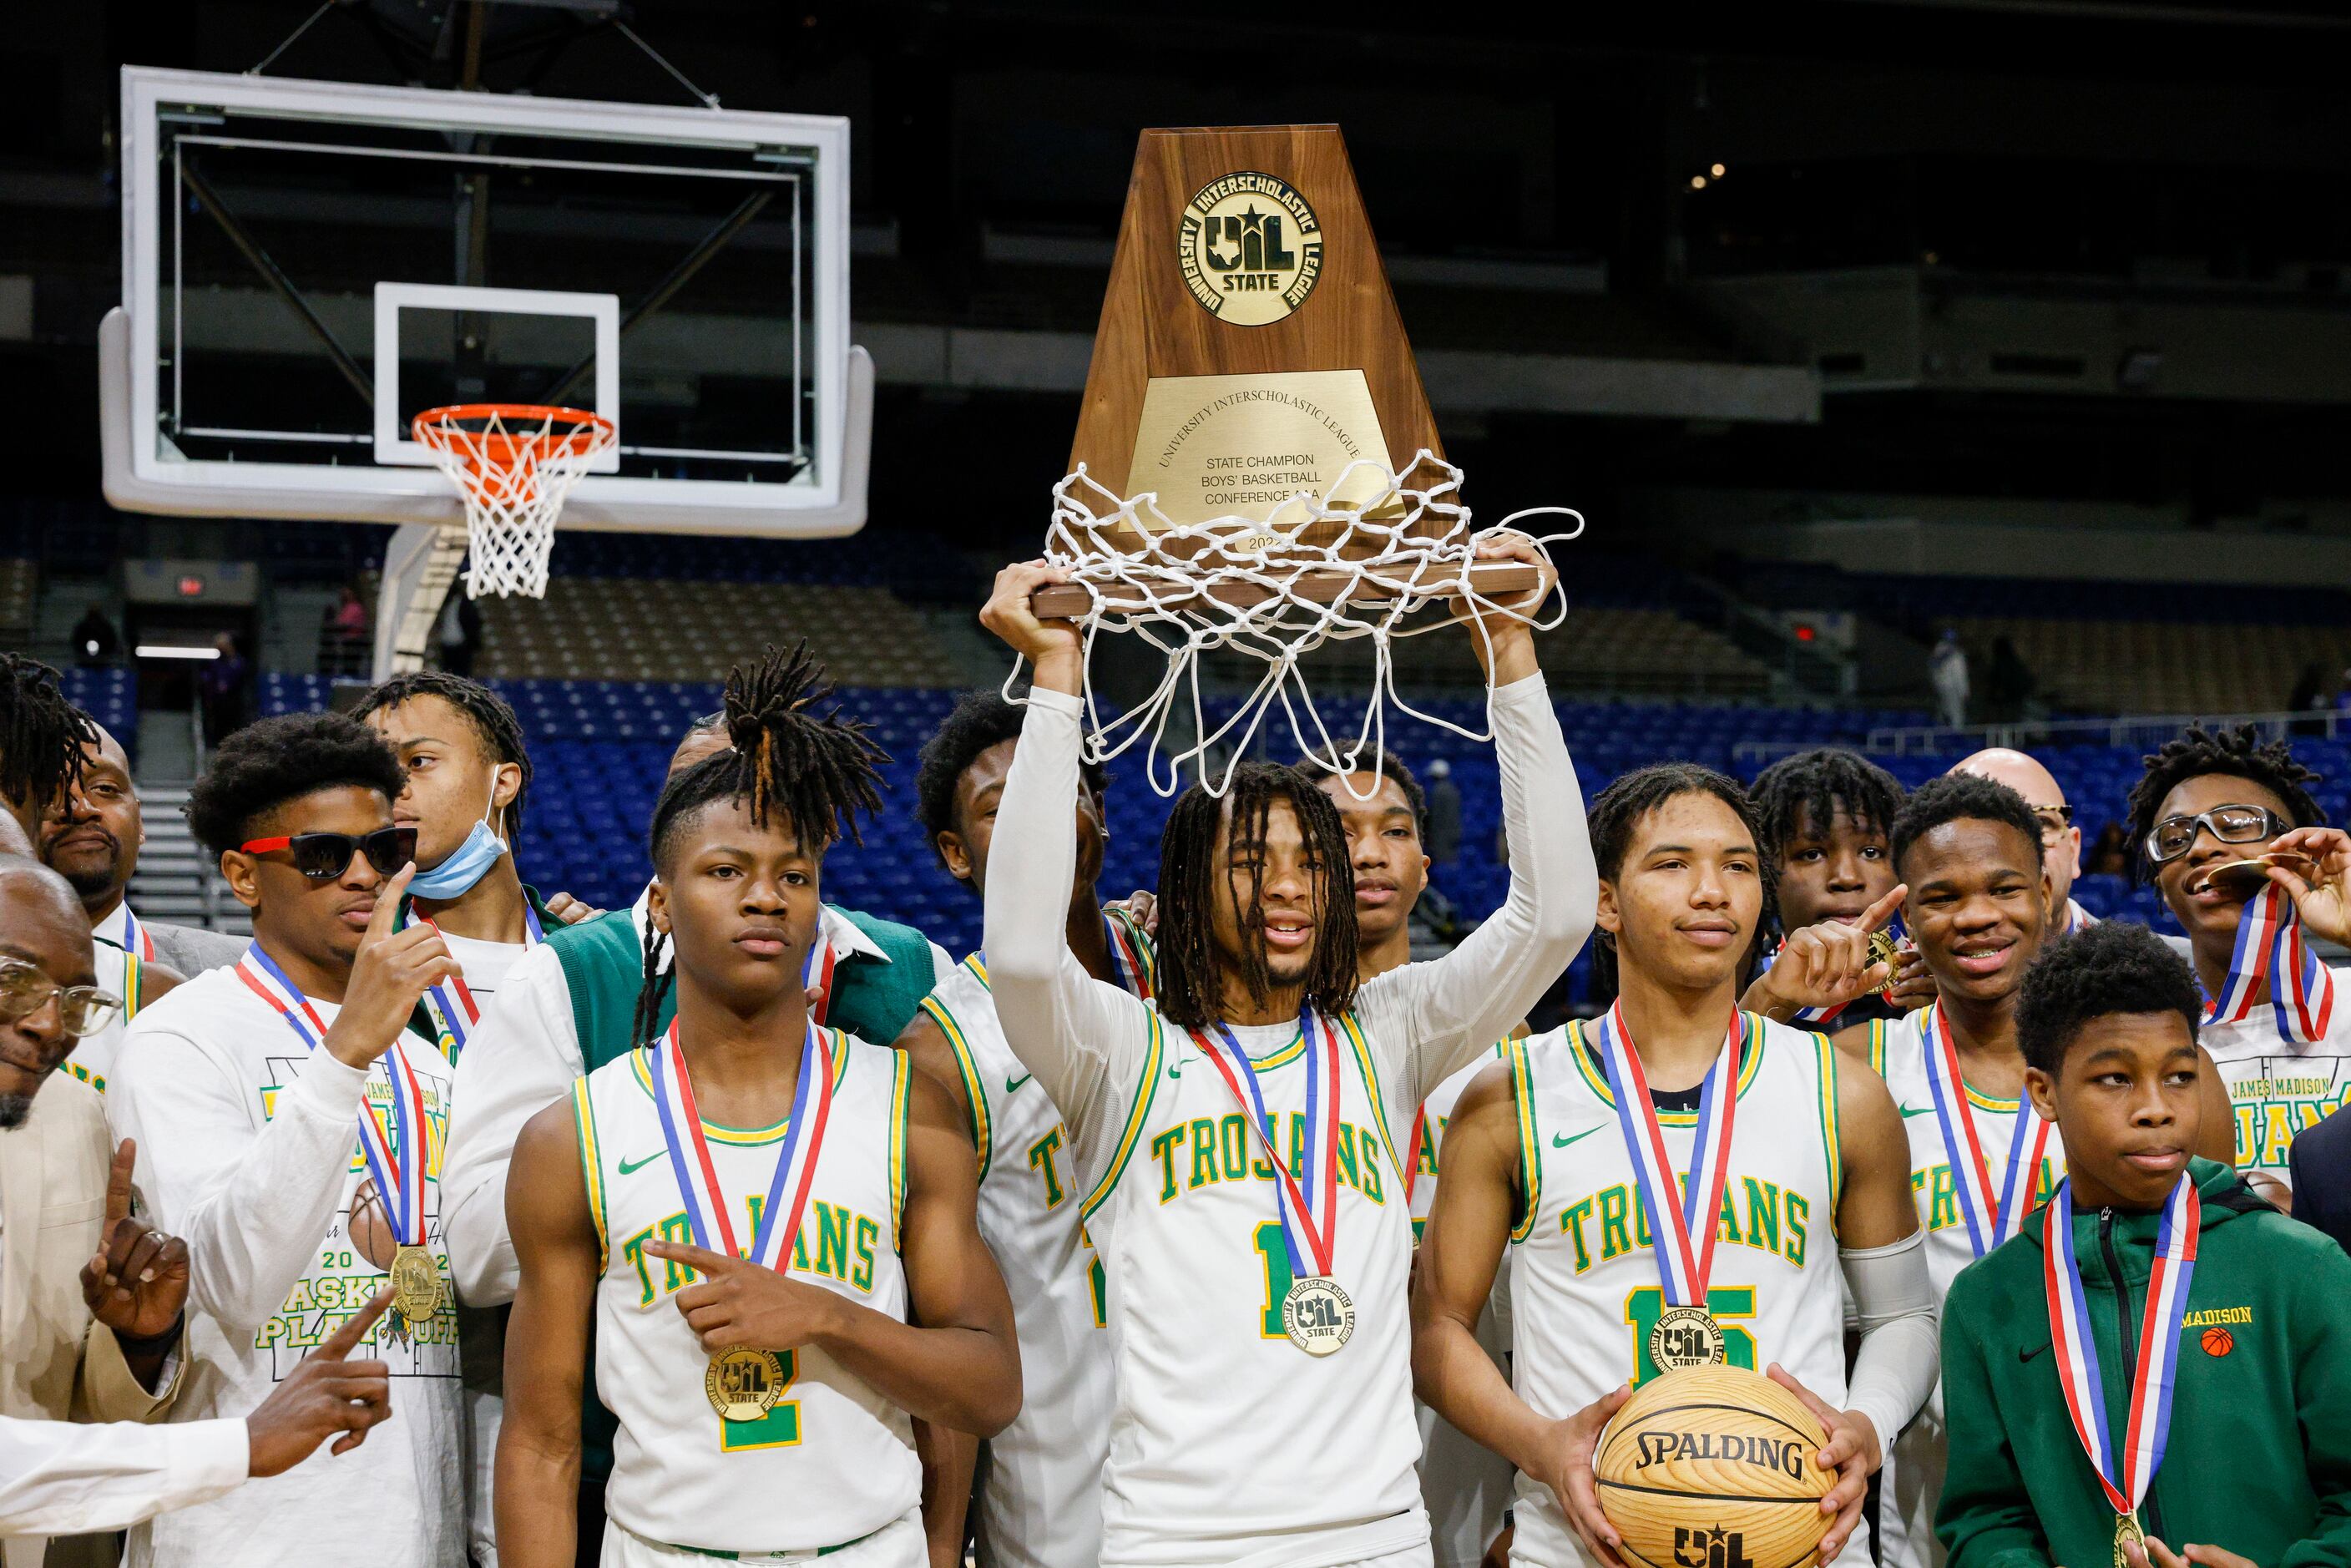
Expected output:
(466, 864)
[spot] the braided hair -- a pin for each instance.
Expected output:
(1808, 789)
(817, 771)
(1617, 811)
(41, 734)
(1189, 866)
(495, 724)
(2239, 753)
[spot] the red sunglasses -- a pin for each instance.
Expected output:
(320, 856)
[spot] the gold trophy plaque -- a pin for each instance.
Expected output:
(1249, 350)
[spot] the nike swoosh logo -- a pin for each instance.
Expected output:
(630, 1167)
(1559, 1141)
(2028, 1355)
(1012, 1085)
(1910, 1111)
(1175, 1070)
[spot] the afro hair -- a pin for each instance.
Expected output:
(2239, 753)
(264, 765)
(980, 719)
(2114, 966)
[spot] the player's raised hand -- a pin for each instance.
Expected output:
(137, 1280)
(738, 1303)
(324, 1396)
(570, 910)
(1501, 634)
(1913, 987)
(1567, 1471)
(392, 974)
(1827, 964)
(1853, 1451)
(1051, 645)
(2323, 898)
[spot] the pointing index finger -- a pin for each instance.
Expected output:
(387, 903)
(118, 1184)
(344, 1340)
(694, 1257)
(1878, 913)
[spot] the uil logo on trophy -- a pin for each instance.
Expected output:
(1251, 248)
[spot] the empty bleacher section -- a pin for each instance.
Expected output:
(18, 577)
(110, 697)
(2106, 647)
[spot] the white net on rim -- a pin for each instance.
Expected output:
(514, 467)
(1387, 555)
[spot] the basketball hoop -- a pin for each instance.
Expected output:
(513, 464)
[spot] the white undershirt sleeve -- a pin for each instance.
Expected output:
(58, 1479)
(1900, 1356)
(250, 1205)
(1428, 1021)
(523, 1058)
(1084, 1040)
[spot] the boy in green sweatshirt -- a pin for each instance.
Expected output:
(2254, 1466)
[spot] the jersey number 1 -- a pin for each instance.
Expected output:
(1644, 1307)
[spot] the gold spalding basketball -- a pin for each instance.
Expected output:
(1714, 1466)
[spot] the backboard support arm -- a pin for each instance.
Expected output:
(420, 566)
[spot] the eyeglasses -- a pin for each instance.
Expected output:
(2173, 836)
(322, 855)
(2054, 821)
(81, 1010)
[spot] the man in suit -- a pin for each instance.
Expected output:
(2318, 1163)
(89, 1297)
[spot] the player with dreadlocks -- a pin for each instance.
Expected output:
(1234, 1141)
(2226, 825)
(1825, 815)
(768, 1222)
(1556, 1153)
(41, 741)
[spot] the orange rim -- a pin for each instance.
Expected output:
(439, 428)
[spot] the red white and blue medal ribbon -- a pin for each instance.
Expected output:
(1681, 1235)
(395, 1155)
(1310, 1212)
(2270, 948)
(135, 940)
(1126, 955)
(697, 1177)
(1991, 1218)
(2126, 1477)
(816, 969)
(451, 1004)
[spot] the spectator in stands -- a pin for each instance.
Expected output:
(460, 633)
(2007, 686)
(1443, 813)
(221, 688)
(2309, 696)
(2060, 841)
(96, 642)
(343, 633)
(2110, 856)
(1948, 667)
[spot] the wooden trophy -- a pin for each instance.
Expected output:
(1249, 350)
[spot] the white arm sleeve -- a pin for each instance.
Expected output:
(1900, 1333)
(1428, 1021)
(1086, 1040)
(57, 1478)
(522, 1059)
(250, 1204)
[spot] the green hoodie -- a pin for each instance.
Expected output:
(2257, 1460)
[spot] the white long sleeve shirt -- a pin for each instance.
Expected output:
(525, 1057)
(248, 1149)
(59, 1479)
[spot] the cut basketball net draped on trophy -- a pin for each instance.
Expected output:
(1260, 589)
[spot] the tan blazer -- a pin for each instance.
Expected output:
(54, 1362)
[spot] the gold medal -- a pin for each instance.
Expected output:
(1317, 1315)
(1685, 1336)
(415, 1285)
(2128, 1534)
(744, 1383)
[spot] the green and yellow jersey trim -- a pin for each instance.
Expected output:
(1827, 1053)
(1363, 1051)
(1753, 1040)
(902, 1110)
(134, 979)
(1131, 1135)
(591, 1169)
(974, 1088)
(977, 965)
(640, 1064)
(1522, 1090)
(1878, 1045)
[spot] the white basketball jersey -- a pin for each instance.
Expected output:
(1040, 1503)
(1913, 1475)
(2276, 1087)
(1584, 1283)
(1465, 1485)
(1228, 1441)
(832, 1461)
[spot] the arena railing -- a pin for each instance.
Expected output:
(2127, 729)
